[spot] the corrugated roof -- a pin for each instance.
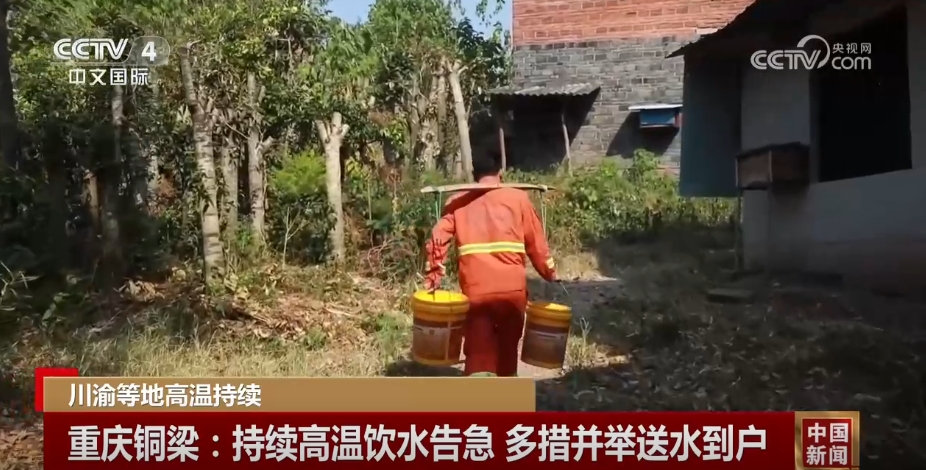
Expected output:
(572, 89)
(646, 107)
(763, 15)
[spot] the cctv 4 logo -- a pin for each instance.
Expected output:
(101, 50)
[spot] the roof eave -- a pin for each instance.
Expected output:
(757, 21)
(570, 90)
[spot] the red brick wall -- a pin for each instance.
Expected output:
(551, 21)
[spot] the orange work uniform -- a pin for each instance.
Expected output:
(493, 230)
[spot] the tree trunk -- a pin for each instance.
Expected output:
(441, 122)
(430, 147)
(414, 121)
(137, 163)
(154, 179)
(256, 177)
(213, 256)
(9, 126)
(91, 193)
(459, 109)
(332, 134)
(457, 161)
(228, 161)
(58, 248)
(113, 266)
(91, 196)
(154, 168)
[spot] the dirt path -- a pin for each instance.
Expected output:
(651, 339)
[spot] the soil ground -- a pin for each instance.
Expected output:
(646, 337)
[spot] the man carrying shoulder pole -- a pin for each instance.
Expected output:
(495, 232)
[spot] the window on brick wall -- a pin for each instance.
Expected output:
(864, 115)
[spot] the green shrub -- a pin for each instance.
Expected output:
(610, 201)
(388, 226)
(300, 218)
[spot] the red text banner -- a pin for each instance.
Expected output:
(125, 440)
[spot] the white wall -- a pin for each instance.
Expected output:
(776, 109)
(872, 228)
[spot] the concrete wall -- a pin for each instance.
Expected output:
(775, 108)
(620, 45)
(872, 228)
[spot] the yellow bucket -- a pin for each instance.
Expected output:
(546, 333)
(437, 338)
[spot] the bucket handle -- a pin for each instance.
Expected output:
(543, 223)
(548, 285)
(438, 203)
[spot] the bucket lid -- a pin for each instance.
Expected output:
(551, 307)
(440, 297)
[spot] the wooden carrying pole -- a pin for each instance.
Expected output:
(451, 188)
(501, 144)
(562, 118)
(498, 111)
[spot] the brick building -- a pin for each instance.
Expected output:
(613, 52)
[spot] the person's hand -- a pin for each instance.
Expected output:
(431, 284)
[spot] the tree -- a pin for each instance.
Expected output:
(454, 69)
(332, 132)
(257, 147)
(412, 36)
(339, 85)
(251, 82)
(203, 127)
(422, 48)
(9, 128)
(112, 176)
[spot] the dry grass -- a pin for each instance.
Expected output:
(299, 332)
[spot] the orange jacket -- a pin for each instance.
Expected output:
(493, 230)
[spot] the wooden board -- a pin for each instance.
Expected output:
(452, 188)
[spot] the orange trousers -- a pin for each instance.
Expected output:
(494, 326)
